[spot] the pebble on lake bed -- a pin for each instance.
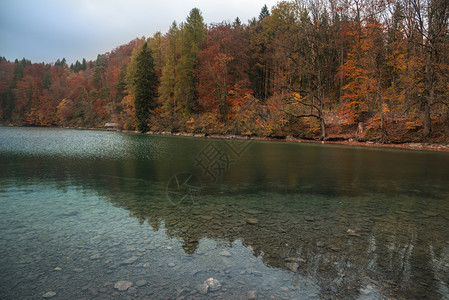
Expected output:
(252, 221)
(252, 295)
(292, 266)
(225, 253)
(49, 294)
(203, 288)
(130, 260)
(122, 285)
(213, 284)
(140, 283)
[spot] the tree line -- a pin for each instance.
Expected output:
(376, 69)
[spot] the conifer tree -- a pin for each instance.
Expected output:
(193, 33)
(145, 87)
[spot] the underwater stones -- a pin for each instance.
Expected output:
(130, 260)
(252, 221)
(210, 284)
(352, 232)
(309, 219)
(292, 266)
(49, 295)
(95, 256)
(334, 248)
(295, 259)
(320, 244)
(252, 295)
(122, 285)
(214, 284)
(140, 283)
(203, 288)
(225, 253)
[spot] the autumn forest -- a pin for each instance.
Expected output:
(372, 70)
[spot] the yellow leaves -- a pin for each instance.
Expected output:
(413, 126)
(353, 111)
(385, 108)
(65, 110)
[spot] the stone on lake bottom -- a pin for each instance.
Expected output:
(352, 232)
(295, 259)
(122, 285)
(49, 294)
(252, 295)
(95, 256)
(334, 248)
(292, 266)
(252, 221)
(320, 244)
(225, 253)
(203, 288)
(140, 283)
(130, 260)
(214, 284)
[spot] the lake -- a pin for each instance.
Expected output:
(110, 215)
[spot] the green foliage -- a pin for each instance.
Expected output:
(193, 33)
(145, 87)
(264, 12)
(168, 77)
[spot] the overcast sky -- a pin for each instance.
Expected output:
(45, 30)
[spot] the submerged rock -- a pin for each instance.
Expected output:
(225, 253)
(95, 256)
(252, 221)
(122, 285)
(292, 266)
(213, 284)
(320, 244)
(295, 259)
(49, 294)
(203, 288)
(130, 260)
(142, 282)
(352, 232)
(335, 248)
(252, 295)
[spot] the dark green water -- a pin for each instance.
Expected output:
(82, 210)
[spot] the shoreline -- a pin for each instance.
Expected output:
(333, 140)
(336, 141)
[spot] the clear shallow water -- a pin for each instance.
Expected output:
(81, 210)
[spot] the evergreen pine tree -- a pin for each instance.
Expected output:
(264, 12)
(145, 87)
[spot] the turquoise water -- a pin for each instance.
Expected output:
(83, 210)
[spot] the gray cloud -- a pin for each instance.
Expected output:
(45, 30)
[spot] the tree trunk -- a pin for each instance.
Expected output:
(428, 99)
(383, 130)
(323, 128)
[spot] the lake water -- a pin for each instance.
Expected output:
(83, 210)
